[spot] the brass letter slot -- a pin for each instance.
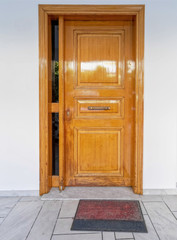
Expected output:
(99, 108)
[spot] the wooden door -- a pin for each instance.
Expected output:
(99, 103)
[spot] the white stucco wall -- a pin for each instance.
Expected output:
(19, 106)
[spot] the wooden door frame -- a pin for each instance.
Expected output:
(45, 11)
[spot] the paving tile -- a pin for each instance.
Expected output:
(142, 208)
(171, 191)
(108, 236)
(154, 192)
(77, 193)
(1, 220)
(151, 235)
(78, 237)
(63, 226)
(151, 198)
(18, 223)
(162, 219)
(44, 225)
(68, 209)
(30, 199)
(171, 202)
(123, 235)
(6, 204)
(175, 214)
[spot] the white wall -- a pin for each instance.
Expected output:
(19, 107)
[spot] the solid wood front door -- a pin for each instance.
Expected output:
(99, 103)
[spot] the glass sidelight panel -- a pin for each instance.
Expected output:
(55, 144)
(55, 62)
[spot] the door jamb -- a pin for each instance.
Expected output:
(60, 10)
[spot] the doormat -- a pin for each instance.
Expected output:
(109, 215)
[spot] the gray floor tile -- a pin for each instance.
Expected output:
(108, 236)
(75, 193)
(151, 235)
(6, 204)
(22, 217)
(78, 237)
(171, 201)
(68, 209)
(123, 235)
(142, 208)
(162, 219)
(18, 223)
(1, 220)
(44, 225)
(151, 198)
(154, 192)
(175, 214)
(63, 226)
(171, 191)
(30, 199)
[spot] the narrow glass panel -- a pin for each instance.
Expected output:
(55, 144)
(55, 76)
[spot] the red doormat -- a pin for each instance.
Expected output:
(109, 215)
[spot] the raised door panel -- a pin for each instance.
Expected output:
(99, 103)
(99, 57)
(99, 107)
(98, 152)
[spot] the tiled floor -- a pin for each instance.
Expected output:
(50, 217)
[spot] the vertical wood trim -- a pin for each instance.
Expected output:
(55, 181)
(44, 10)
(49, 101)
(61, 103)
(138, 181)
(43, 100)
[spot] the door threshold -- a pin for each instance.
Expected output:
(76, 193)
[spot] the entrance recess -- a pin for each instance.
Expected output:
(91, 95)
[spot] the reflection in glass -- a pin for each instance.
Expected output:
(55, 144)
(55, 76)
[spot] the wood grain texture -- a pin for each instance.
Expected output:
(61, 105)
(92, 9)
(100, 150)
(43, 101)
(115, 107)
(139, 122)
(55, 181)
(101, 51)
(53, 107)
(134, 13)
(90, 160)
(49, 100)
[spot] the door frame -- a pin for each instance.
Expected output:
(45, 11)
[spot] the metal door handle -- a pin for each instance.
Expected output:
(98, 108)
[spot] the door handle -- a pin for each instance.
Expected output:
(68, 113)
(99, 108)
